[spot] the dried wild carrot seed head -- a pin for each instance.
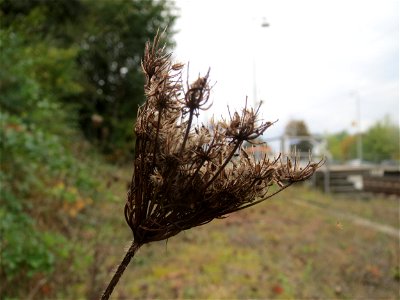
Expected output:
(187, 175)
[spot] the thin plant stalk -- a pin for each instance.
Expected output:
(187, 175)
(120, 270)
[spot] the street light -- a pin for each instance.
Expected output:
(264, 24)
(357, 97)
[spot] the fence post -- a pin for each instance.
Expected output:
(327, 177)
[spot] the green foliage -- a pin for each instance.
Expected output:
(334, 144)
(25, 250)
(33, 160)
(63, 62)
(110, 55)
(342, 146)
(57, 22)
(380, 142)
(33, 87)
(97, 47)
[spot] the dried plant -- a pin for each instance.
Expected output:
(186, 175)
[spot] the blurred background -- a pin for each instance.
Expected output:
(70, 85)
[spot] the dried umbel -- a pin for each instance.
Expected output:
(186, 175)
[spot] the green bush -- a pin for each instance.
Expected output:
(63, 62)
(84, 53)
(41, 184)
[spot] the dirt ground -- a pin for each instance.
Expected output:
(301, 244)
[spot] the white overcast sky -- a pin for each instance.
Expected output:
(311, 63)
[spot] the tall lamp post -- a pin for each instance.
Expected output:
(264, 24)
(357, 97)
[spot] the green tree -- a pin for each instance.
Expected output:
(381, 142)
(348, 147)
(34, 78)
(334, 145)
(297, 129)
(41, 19)
(105, 40)
(342, 146)
(110, 56)
(50, 54)
(33, 158)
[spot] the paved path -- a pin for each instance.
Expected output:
(386, 229)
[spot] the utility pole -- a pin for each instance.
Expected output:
(264, 24)
(357, 97)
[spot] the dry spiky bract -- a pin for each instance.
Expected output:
(187, 175)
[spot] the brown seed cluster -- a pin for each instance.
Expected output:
(186, 175)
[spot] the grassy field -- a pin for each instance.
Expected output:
(278, 249)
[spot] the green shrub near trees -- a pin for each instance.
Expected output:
(86, 54)
(69, 73)
(380, 143)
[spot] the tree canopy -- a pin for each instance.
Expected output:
(69, 73)
(380, 142)
(89, 53)
(298, 129)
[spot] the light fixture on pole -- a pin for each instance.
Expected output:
(264, 24)
(357, 97)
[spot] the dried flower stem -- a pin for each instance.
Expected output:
(185, 175)
(120, 270)
(222, 167)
